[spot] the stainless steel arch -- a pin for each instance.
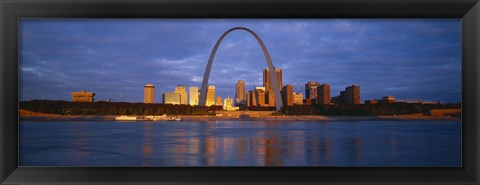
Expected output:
(276, 90)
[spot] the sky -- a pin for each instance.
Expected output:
(410, 59)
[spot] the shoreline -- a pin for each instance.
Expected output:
(266, 118)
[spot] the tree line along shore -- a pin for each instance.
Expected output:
(94, 110)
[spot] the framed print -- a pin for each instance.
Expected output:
(216, 91)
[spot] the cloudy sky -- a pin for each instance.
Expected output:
(416, 59)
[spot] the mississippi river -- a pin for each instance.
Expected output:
(240, 143)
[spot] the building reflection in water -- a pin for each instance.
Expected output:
(147, 145)
(247, 143)
(358, 145)
(265, 145)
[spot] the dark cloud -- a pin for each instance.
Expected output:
(406, 58)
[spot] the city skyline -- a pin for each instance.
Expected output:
(391, 64)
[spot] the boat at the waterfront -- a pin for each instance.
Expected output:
(175, 118)
(125, 118)
(148, 118)
(156, 118)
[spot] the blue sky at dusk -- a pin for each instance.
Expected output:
(407, 58)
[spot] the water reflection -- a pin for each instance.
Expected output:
(242, 144)
(80, 144)
(147, 145)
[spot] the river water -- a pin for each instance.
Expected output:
(240, 143)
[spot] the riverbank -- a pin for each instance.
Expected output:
(226, 118)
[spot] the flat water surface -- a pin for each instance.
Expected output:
(240, 143)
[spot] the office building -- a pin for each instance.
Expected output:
(240, 93)
(298, 98)
(149, 93)
(194, 95)
(171, 98)
(352, 94)
(183, 94)
(311, 91)
(307, 101)
(219, 102)
(259, 94)
(287, 95)
(323, 94)
(339, 99)
(251, 99)
(82, 96)
(267, 83)
(210, 96)
(270, 98)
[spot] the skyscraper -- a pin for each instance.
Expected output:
(193, 95)
(210, 96)
(240, 93)
(267, 82)
(249, 98)
(323, 94)
(259, 94)
(287, 95)
(149, 93)
(171, 98)
(270, 98)
(352, 94)
(311, 91)
(219, 102)
(183, 94)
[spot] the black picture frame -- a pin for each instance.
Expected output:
(12, 10)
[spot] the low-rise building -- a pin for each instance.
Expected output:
(83, 96)
(298, 98)
(372, 101)
(388, 99)
(171, 98)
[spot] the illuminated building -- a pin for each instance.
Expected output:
(240, 93)
(311, 91)
(183, 94)
(149, 93)
(259, 93)
(250, 99)
(210, 96)
(171, 98)
(228, 105)
(297, 98)
(194, 94)
(82, 96)
(323, 94)
(267, 83)
(219, 101)
(270, 98)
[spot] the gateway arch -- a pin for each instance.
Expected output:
(276, 90)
